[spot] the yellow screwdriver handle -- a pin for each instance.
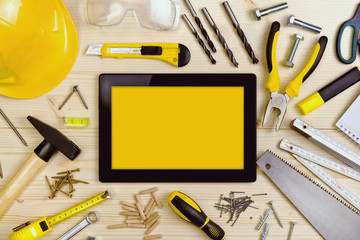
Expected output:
(173, 53)
(293, 87)
(273, 83)
(188, 210)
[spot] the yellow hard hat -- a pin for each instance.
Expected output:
(38, 46)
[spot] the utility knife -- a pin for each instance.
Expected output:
(175, 54)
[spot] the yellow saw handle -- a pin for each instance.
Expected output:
(175, 54)
(293, 87)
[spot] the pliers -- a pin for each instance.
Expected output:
(277, 100)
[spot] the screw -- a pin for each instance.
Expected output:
(291, 230)
(289, 62)
(293, 21)
(276, 215)
(259, 13)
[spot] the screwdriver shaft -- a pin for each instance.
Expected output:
(201, 42)
(240, 32)
(221, 38)
(13, 128)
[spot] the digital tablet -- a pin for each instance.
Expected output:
(177, 127)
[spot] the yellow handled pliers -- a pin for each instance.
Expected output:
(278, 100)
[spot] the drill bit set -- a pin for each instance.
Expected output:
(63, 179)
(216, 30)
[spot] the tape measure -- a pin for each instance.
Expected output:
(327, 143)
(35, 230)
(323, 161)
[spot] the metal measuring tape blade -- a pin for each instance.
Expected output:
(327, 143)
(323, 161)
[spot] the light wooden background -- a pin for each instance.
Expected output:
(33, 203)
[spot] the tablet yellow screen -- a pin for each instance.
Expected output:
(177, 127)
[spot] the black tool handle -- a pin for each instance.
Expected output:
(340, 84)
(355, 24)
(271, 44)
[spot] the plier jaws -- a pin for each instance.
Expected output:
(278, 102)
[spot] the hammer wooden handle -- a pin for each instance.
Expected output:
(17, 183)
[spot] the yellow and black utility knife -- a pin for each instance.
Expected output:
(175, 54)
(188, 210)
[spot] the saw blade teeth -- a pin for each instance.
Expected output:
(317, 184)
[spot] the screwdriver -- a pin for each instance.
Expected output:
(190, 211)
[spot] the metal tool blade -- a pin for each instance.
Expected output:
(277, 101)
(329, 215)
(94, 49)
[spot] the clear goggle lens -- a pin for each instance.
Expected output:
(151, 14)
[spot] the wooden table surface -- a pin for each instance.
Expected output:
(33, 203)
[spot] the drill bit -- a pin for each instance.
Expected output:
(221, 38)
(201, 42)
(240, 32)
(13, 128)
(202, 29)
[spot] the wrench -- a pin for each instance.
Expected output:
(92, 217)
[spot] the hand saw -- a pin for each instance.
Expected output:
(310, 161)
(329, 215)
(175, 54)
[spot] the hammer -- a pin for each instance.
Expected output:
(53, 141)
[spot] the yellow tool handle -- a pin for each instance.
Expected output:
(188, 210)
(18, 182)
(273, 83)
(173, 53)
(293, 87)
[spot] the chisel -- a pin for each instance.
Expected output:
(190, 211)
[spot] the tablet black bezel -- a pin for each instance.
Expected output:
(107, 174)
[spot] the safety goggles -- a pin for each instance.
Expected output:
(150, 14)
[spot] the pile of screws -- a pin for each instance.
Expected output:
(66, 178)
(234, 206)
(142, 216)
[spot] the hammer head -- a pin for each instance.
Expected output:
(53, 141)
